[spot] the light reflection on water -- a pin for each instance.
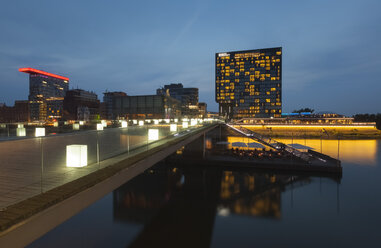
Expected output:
(175, 205)
(361, 152)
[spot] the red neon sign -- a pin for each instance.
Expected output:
(35, 71)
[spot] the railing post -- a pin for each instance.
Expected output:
(42, 163)
(98, 160)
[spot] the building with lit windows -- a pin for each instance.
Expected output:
(188, 98)
(46, 94)
(249, 83)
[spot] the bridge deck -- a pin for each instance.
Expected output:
(93, 175)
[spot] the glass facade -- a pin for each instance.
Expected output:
(249, 83)
(46, 96)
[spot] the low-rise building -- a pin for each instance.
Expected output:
(81, 105)
(144, 107)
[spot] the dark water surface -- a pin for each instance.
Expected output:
(174, 205)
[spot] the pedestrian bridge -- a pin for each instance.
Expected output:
(35, 173)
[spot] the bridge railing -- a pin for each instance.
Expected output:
(271, 142)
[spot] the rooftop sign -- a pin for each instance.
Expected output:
(35, 71)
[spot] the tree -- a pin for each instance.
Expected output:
(303, 110)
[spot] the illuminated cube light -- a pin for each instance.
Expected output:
(55, 124)
(99, 126)
(134, 122)
(156, 122)
(104, 123)
(193, 122)
(185, 119)
(167, 121)
(185, 124)
(76, 155)
(75, 126)
(20, 125)
(141, 123)
(20, 131)
(148, 121)
(81, 123)
(153, 134)
(124, 124)
(40, 131)
(173, 127)
(65, 123)
(176, 120)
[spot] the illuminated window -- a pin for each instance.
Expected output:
(268, 100)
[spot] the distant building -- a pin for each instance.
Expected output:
(249, 83)
(81, 105)
(109, 104)
(144, 107)
(18, 113)
(46, 94)
(188, 98)
(202, 108)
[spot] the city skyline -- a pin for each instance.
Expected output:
(330, 54)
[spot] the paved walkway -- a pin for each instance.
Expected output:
(23, 174)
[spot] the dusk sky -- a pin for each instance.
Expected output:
(331, 49)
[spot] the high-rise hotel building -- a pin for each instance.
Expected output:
(249, 83)
(46, 94)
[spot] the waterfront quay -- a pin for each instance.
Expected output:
(325, 131)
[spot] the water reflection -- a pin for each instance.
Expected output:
(362, 152)
(178, 205)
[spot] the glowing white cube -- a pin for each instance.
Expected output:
(193, 122)
(81, 123)
(185, 124)
(75, 126)
(104, 123)
(76, 155)
(185, 119)
(134, 122)
(176, 120)
(155, 122)
(141, 123)
(148, 121)
(40, 131)
(100, 126)
(20, 125)
(173, 127)
(20, 131)
(124, 124)
(55, 124)
(153, 134)
(167, 121)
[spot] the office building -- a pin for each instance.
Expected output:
(46, 94)
(144, 107)
(17, 113)
(249, 83)
(188, 97)
(81, 105)
(108, 104)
